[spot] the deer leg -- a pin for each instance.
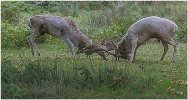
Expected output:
(165, 45)
(31, 46)
(31, 39)
(175, 45)
(71, 46)
(133, 50)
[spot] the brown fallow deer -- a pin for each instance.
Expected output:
(66, 30)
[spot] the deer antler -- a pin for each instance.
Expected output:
(93, 48)
(113, 44)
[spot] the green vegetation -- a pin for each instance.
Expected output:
(55, 75)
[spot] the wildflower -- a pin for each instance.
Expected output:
(179, 93)
(116, 79)
(170, 90)
(180, 82)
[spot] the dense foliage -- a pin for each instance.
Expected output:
(36, 73)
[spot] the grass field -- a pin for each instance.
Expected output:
(55, 75)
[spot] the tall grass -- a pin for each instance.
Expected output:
(55, 75)
(94, 22)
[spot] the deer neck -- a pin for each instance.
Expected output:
(125, 44)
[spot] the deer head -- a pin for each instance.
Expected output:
(95, 47)
(119, 51)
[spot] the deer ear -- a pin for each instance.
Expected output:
(113, 44)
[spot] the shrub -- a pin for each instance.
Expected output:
(118, 29)
(10, 81)
(10, 91)
(10, 12)
(16, 36)
(13, 36)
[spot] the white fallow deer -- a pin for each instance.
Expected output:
(64, 29)
(143, 30)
